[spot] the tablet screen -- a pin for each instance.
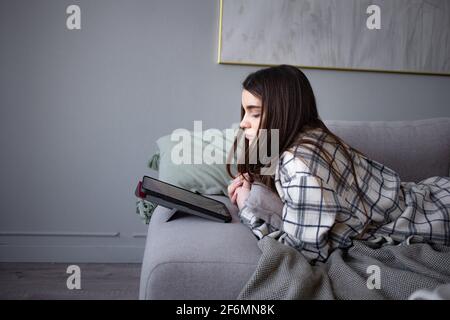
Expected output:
(184, 195)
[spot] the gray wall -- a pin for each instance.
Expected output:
(80, 112)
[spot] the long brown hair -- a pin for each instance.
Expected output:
(289, 105)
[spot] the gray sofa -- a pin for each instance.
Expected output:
(194, 258)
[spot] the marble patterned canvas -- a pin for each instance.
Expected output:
(413, 35)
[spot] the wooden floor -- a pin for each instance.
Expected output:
(115, 281)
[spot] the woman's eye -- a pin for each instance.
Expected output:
(256, 115)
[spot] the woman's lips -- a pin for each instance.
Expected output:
(249, 137)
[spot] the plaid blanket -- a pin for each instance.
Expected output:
(365, 271)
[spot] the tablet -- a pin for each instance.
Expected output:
(173, 197)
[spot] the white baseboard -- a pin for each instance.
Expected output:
(59, 234)
(71, 254)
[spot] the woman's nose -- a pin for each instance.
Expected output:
(244, 124)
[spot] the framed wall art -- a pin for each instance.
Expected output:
(406, 36)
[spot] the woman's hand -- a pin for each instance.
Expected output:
(239, 191)
(232, 188)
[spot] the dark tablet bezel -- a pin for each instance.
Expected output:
(172, 202)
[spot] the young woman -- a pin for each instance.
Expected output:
(331, 193)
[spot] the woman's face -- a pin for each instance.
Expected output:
(252, 106)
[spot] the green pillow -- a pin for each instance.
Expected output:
(205, 177)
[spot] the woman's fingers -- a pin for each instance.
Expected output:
(247, 184)
(232, 187)
(241, 181)
(234, 197)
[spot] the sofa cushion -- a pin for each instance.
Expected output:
(415, 149)
(194, 258)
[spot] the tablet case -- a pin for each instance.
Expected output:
(177, 205)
